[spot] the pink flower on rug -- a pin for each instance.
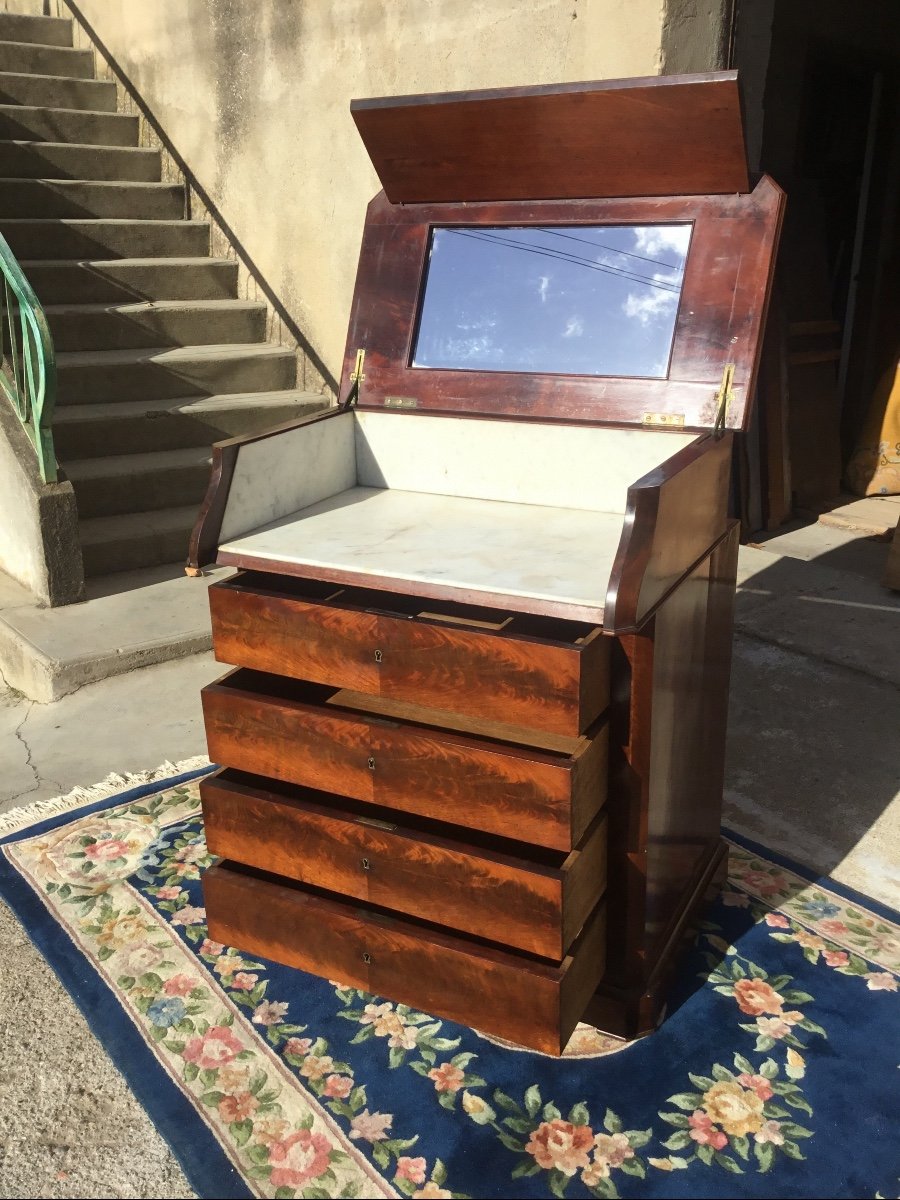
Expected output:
(299, 1158)
(833, 928)
(559, 1145)
(297, 1046)
(139, 958)
(880, 981)
(192, 853)
(106, 850)
(755, 996)
(186, 870)
(758, 1084)
(780, 1026)
(189, 915)
(338, 1087)
(777, 920)
(317, 1066)
(244, 981)
(169, 892)
(411, 1169)
(214, 1048)
(271, 1129)
(704, 1132)
(371, 1127)
(613, 1148)
(227, 964)
(836, 958)
(447, 1077)
(210, 947)
(180, 985)
(735, 900)
(760, 882)
(269, 1012)
(238, 1107)
(809, 941)
(770, 1132)
(406, 1038)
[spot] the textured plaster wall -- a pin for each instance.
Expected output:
(255, 96)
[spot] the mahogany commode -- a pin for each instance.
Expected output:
(472, 750)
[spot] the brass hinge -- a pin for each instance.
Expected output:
(356, 377)
(724, 396)
(672, 420)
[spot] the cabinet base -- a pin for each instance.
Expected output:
(634, 1012)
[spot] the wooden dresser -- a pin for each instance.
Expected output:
(473, 748)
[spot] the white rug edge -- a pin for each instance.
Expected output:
(21, 817)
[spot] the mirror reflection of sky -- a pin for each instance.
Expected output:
(574, 300)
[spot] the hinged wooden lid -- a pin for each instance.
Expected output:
(462, 176)
(669, 135)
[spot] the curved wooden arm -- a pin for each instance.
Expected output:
(674, 514)
(204, 542)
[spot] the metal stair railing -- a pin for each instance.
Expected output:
(28, 363)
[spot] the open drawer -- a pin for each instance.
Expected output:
(545, 793)
(518, 997)
(520, 669)
(531, 900)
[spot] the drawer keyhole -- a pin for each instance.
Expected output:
(378, 656)
(366, 865)
(367, 958)
(370, 763)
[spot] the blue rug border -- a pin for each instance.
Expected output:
(825, 881)
(206, 1167)
(200, 1156)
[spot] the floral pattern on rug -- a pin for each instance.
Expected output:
(316, 1090)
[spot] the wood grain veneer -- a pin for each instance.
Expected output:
(661, 135)
(298, 733)
(523, 999)
(479, 887)
(553, 675)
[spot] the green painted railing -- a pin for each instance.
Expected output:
(28, 364)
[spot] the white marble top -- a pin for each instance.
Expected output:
(519, 550)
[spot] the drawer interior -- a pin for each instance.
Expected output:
(412, 608)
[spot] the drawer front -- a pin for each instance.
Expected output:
(495, 672)
(522, 999)
(538, 907)
(540, 798)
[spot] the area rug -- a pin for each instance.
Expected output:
(775, 1073)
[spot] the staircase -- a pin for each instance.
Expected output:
(156, 356)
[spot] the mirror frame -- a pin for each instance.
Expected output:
(727, 282)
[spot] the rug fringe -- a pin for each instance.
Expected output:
(39, 810)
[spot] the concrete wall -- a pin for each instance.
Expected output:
(39, 544)
(254, 95)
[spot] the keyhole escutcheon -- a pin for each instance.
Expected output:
(366, 865)
(370, 762)
(378, 656)
(367, 958)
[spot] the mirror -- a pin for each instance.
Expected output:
(569, 300)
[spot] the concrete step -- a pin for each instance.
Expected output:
(128, 620)
(90, 198)
(111, 281)
(35, 59)
(132, 426)
(66, 160)
(134, 540)
(25, 27)
(105, 238)
(32, 123)
(96, 377)
(154, 324)
(125, 483)
(57, 91)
